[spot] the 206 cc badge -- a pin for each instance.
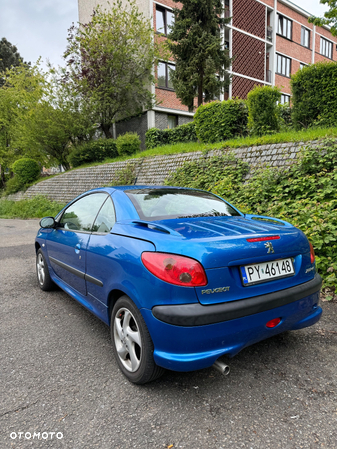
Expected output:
(269, 245)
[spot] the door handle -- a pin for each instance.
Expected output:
(77, 248)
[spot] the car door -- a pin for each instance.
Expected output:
(67, 243)
(100, 254)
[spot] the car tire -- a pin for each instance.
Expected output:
(42, 272)
(132, 343)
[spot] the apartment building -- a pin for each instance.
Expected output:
(269, 40)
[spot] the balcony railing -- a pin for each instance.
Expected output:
(227, 13)
(270, 33)
(268, 76)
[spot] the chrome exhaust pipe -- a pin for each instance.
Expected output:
(222, 367)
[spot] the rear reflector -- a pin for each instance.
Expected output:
(262, 239)
(273, 323)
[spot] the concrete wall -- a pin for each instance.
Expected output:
(154, 170)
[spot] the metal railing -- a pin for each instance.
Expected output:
(270, 33)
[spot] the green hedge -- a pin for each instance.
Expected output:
(94, 151)
(314, 95)
(263, 116)
(28, 170)
(155, 137)
(219, 121)
(128, 143)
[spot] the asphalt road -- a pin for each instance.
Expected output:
(58, 375)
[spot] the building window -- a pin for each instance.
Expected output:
(164, 20)
(164, 71)
(305, 37)
(227, 9)
(302, 65)
(284, 26)
(172, 121)
(326, 48)
(283, 66)
(284, 99)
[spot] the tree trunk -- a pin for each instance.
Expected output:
(106, 129)
(200, 92)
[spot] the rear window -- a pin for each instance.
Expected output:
(161, 204)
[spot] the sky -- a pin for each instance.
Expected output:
(39, 28)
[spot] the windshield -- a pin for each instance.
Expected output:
(165, 203)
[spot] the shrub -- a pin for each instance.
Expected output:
(128, 143)
(27, 170)
(14, 184)
(263, 117)
(125, 176)
(284, 113)
(155, 137)
(219, 121)
(94, 151)
(314, 95)
(206, 172)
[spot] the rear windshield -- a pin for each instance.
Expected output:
(161, 204)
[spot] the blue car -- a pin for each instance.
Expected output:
(180, 275)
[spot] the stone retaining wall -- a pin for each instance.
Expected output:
(154, 170)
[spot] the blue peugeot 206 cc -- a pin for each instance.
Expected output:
(180, 275)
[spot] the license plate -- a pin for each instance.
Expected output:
(266, 271)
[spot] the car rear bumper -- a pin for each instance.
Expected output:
(189, 342)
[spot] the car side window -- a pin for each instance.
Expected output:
(106, 218)
(80, 215)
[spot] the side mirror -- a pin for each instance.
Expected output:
(47, 222)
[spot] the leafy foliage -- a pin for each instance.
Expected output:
(197, 49)
(9, 57)
(22, 90)
(304, 195)
(315, 95)
(329, 18)
(93, 151)
(110, 63)
(219, 121)
(128, 143)
(206, 173)
(125, 176)
(155, 137)
(37, 207)
(26, 169)
(263, 117)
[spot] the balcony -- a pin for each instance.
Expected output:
(269, 33)
(268, 76)
(227, 13)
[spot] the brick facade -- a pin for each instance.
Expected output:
(249, 56)
(253, 44)
(249, 16)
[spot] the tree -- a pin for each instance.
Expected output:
(330, 17)
(9, 57)
(110, 62)
(56, 123)
(22, 89)
(195, 42)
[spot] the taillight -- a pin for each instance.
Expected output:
(178, 270)
(312, 253)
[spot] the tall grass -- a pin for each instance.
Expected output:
(37, 207)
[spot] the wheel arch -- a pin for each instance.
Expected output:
(113, 297)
